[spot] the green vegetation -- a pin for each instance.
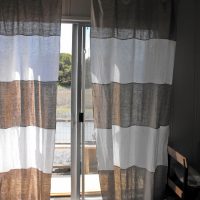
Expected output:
(64, 90)
(65, 71)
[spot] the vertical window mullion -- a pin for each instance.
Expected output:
(76, 109)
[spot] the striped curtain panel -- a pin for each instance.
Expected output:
(132, 59)
(29, 59)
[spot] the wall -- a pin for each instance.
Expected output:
(76, 9)
(185, 125)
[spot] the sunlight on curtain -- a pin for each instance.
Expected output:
(29, 61)
(132, 59)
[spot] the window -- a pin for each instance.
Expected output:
(78, 151)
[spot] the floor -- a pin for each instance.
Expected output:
(65, 198)
(98, 198)
(62, 184)
(91, 198)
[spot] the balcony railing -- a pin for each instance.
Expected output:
(63, 148)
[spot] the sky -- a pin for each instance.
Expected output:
(66, 39)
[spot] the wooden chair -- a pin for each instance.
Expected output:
(182, 178)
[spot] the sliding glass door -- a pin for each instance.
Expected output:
(61, 174)
(75, 173)
(90, 177)
(85, 179)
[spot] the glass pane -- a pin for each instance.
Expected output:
(61, 178)
(92, 186)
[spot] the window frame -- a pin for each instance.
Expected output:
(77, 107)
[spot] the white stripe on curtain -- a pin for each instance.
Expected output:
(26, 147)
(133, 60)
(29, 58)
(139, 146)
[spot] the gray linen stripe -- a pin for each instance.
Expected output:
(28, 103)
(140, 19)
(125, 105)
(133, 183)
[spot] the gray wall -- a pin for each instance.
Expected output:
(185, 125)
(76, 9)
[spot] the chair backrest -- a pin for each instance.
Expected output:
(178, 157)
(182, 160)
